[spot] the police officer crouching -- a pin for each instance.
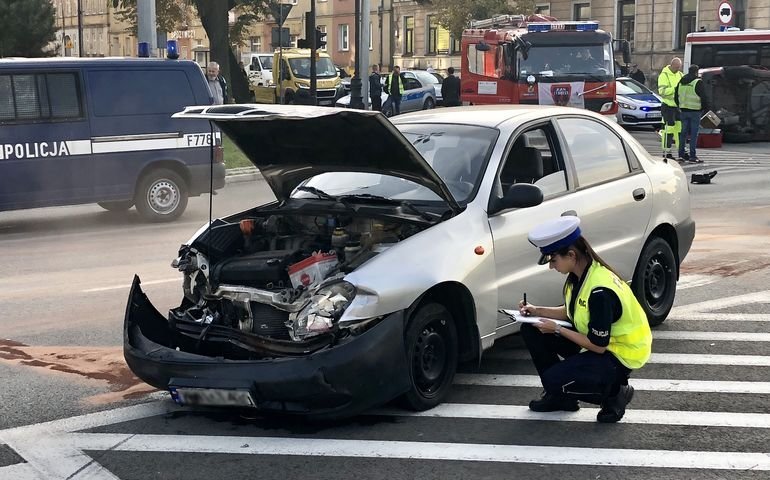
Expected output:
(611, 335)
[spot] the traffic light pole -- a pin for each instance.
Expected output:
(313, 46)
(356, 100)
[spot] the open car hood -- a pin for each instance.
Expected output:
(290, 144)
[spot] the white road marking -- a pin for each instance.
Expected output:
(666, 358)
(694, 280)
(642, 384)
(645, 417)
(20, 471)
(711, 336)
(719, 317)
(721, 303)
(127, 286)
(424, 451)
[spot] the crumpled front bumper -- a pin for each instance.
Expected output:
(358, 373)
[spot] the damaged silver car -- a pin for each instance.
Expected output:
(390, 248)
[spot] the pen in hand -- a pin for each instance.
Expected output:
(525, 303)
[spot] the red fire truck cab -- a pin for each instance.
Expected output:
(513, 59)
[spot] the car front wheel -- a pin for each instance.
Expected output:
(431, 347)
(654, 281)
(429, 104)
(161, 196)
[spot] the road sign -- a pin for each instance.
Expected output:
(725, 13)
(280, 11)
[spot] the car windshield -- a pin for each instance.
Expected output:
(267, 62)
(438, 76)
(631, 87)
(458, 153)
(300, 67)
(565, 61)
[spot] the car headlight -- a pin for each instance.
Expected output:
(301, 85)
(627, 106)
(324, 309)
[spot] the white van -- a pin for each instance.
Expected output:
(259, 68)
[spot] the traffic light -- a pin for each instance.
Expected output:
(320, 38)
(303, 43)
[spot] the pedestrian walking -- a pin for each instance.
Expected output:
(212, 77)
(375, 89)
(394, 87)
(690, 97)
(667, 81)
(450, 89)
(636, 74)
(610, 335)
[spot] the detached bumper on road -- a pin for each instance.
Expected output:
(358, 373)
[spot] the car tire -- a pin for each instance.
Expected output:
(431, 347)
(654, 281)
(161, 196)
(118, 206)
(429, 104)
(388, 111)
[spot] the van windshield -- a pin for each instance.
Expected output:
(300, 67)
(267, 62)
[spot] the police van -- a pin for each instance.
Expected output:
(75, 131)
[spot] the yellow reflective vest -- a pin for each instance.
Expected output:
(630, 335)
(667, 82)
(400, 84)
(688, 99)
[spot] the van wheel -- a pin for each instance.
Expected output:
(161, 196)
(119, 206)
(431, 349)
(654, 281)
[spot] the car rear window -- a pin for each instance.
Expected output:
(39, 96)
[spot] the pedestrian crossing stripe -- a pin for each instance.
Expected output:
(641, 384)
(665, 358)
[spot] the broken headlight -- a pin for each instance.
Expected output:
(323, 310)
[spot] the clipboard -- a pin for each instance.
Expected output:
(518, 317)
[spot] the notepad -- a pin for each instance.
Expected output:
(518, 317)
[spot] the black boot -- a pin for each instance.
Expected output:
(552, 403)
(614, 408)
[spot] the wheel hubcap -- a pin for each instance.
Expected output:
(656, 281)
(430, 358)
(163, 196)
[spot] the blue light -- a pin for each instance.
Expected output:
(144, 49)
(538, 27)
(587, 26)
(171, 50)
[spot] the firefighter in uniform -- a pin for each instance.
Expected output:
(667, 81)
(610, 336)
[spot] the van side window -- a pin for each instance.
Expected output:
(139, 92)
(39, 96)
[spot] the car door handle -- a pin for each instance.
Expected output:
(569, 213)
(639, 194)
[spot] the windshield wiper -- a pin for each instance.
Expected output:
(318, 193)
(403, 203)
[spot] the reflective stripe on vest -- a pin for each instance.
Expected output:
(688, 99)
(400, 84)
(630, 335)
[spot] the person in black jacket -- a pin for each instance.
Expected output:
(375, 89)
(636, 74)
(450, 89)
(690, 97)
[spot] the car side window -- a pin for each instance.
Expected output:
(533, 159)
(596, 151)
(411, 84)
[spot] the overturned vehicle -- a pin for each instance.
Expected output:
(740, 96)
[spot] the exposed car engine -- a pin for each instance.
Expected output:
(280, 277)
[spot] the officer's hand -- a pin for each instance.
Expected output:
(527, 309)
(546, 326)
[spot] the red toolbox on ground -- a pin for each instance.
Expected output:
(710, 139)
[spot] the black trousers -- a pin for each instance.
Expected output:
(376, 103)
(587, 376)
(670, 117)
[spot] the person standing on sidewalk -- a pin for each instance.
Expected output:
(667, 81)
(394, 86)
(375, 89)
(450, 89)
(216, 87)
(690, 97)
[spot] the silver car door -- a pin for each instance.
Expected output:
(613, 196)
(533, 157)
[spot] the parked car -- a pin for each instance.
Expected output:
(419, 94)
(433, 78)
(637, 104)
(390, 248)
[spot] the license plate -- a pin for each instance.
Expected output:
(653, 115)
(325, 102)
(214, 397)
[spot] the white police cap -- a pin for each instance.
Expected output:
(553, 235)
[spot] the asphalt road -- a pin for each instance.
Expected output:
(702, 407)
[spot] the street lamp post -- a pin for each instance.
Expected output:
(356, 100)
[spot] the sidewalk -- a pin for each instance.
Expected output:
(244, 174)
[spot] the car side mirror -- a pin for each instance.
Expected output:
(626, 47)
(483, 46)
(520, 195)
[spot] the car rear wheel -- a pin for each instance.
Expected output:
(429, 104)
(119, 206)
(431, 347)
(655, 278)
(161, 196)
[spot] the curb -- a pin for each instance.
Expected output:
(245, 174)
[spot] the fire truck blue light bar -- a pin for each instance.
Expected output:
(563, 26)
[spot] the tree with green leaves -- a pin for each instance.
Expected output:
(27, 28)
(456, 15)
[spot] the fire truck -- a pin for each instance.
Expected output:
(535, 59)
